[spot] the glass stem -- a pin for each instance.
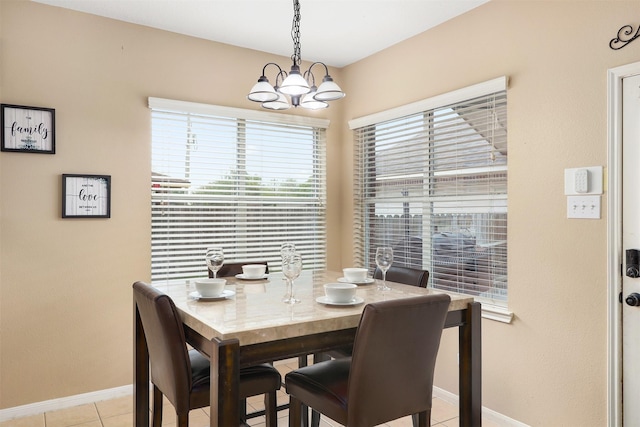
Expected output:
(289, 293)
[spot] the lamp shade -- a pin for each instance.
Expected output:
(308, 101)
(294, 84)
(279, 104)
(328, 91)
(262, 91)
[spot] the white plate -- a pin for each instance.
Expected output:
(364, 282)
(325, 300)
(225, 294)
(243, 277)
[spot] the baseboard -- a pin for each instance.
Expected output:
(487, 413)
(127, 390)
(445, 395)
(64, 402)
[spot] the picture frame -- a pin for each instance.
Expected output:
(86, 196)
(28, 129)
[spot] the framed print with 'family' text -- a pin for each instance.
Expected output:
(28, 129)
(86, 196)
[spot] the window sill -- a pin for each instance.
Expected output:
(499, 314)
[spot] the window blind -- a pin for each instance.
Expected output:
(245, 184)
(432, 185)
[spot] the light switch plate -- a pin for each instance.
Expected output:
(583, 207)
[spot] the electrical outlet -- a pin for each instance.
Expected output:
(583, 207)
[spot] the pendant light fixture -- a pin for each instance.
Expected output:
(299, 87)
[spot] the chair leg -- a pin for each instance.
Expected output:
(304, 410)
(315, 418)
(315, 415)
(302, 362)
(183, 420)
(243, 411)
(157, 407)
(423, 419)
(295, 409)
(270, 409)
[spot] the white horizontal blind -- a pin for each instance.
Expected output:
(433, 185)
(246, 185)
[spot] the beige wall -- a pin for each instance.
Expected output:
(548, 368)
(65, 299)
(65, 307)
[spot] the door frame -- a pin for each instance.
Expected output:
(614, 239)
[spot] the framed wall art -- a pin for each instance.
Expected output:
(28, 129)
(86, 196)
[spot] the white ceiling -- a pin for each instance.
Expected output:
(337, 32)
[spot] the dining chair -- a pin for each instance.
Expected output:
(183, 375)
(232, 268)
(399, 274)
(406, 275)
(390, 374)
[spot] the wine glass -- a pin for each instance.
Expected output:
(287, 249)
(384, 259)
(291, 267)
(215, 259)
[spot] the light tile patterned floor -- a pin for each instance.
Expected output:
(119, 413)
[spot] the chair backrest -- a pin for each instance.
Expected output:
(233, 268)
(406, 275)
(394, 356)
(168, 353)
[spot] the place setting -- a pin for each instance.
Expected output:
(340, 294)
(357, 276)
(211, 290)
(252, 272)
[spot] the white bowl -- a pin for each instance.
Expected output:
(355, 274)
(254, 271)
(210, 288)
(340, 292)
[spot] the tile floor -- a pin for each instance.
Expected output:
(119, 413)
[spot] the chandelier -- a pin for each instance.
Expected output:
(301, 88)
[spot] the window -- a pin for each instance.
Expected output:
(243, 180)
(431, 182)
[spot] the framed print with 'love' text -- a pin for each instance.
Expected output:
(86, 196)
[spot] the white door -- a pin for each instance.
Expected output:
(630, 240)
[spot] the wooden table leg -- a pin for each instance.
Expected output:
(470, 386)
(141, 373)
(225, 383)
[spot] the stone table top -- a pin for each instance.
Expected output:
(255, 312)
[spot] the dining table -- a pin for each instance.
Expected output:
(250, 324)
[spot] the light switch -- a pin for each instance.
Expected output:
(583, 207)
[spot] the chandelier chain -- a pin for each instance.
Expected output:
(295, 88)
(295, 33)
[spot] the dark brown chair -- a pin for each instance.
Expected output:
(399, 274)
(182, 375)
(233, 268)
(390, 374)
(406, 275)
